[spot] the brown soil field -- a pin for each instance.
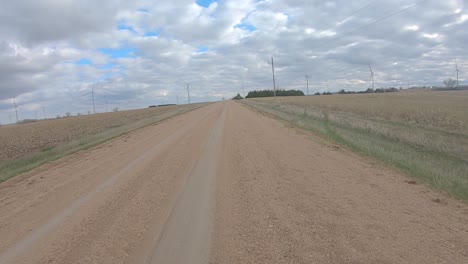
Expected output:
(19, 141)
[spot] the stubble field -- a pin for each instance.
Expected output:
(25, 146)
(423, 133)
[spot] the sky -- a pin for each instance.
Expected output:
(140, 53)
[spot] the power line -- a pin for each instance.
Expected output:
(92, 93)
(359, 9)
(384, 18)
(345, 34)
(376, 21)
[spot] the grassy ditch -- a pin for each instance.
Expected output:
(435, 156)
(10, 168)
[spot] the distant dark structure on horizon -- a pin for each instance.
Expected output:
(161, 105)
(237, 97)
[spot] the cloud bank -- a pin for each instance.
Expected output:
(138, 53)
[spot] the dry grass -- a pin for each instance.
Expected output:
(446, 110)
(425, 134)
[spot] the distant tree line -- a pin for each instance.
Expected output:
(270, 93)
(370, 90)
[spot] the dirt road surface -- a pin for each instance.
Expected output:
(225, 184)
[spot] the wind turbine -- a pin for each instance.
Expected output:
(92, 93)
(16, 109)
(458, 71)
(188, 91)
(372, 77)
(162, 98)
(243, 88)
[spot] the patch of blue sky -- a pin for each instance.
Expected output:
(245, 26)
(107, 76)
(143, 10)
(119, 53)
(203, 49)
(84, 61)
(107, 66)
(205, 3)
(123, 26)
(152, 34)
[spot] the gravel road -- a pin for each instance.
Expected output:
(225, 184)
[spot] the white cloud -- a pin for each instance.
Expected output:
(53, 56)
(431, 36)
(412, 28)
(268, 21)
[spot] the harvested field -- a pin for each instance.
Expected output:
(30, 143)
(445, 110)
(425, 134)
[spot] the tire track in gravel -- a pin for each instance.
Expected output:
(187, 233)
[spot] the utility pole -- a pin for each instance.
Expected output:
(274, 82)
(307, 81)
(92, 93)
(456, 68)
(188, 92)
